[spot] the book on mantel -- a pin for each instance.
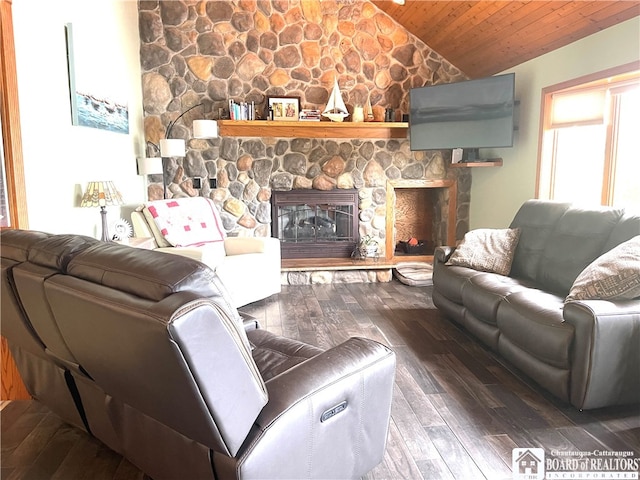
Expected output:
(309, 115)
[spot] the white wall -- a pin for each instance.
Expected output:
(497, 193)
(59, 158)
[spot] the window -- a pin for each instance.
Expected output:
(590, 146)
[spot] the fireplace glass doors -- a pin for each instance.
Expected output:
(315, 223)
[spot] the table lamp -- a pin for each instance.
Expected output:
(101, 194)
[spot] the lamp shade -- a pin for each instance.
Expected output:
(149, 165)
(205, 129)
(172, 147)
(100, 194)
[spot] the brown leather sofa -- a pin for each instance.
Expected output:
(585, 352)
(145, 352)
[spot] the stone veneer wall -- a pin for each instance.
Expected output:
(208, 52)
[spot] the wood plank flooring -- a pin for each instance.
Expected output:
(458, 410)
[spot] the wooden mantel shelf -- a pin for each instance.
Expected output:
(278, 129)
(492, 162)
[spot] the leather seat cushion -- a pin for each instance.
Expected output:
(532, 320)
(274, 355)
(451, 279)
(483, 293)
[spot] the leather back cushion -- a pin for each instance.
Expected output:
(186, 222)
(57, 251)
(15, 326)
(17, 243)
(577, 239)
(48, 255)
(158, 332)
(144, 273)
(535, 219)
(180, 361)
(627, 228)
(151, 275)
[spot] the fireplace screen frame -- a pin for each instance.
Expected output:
(310, 210)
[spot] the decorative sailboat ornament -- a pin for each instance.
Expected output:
(368, 111)
(335, 110)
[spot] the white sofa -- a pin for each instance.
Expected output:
(249, 267)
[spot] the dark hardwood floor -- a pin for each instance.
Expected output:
(458, 410)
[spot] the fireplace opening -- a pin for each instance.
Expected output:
(422, 209)
(414, 218)
(315, 223)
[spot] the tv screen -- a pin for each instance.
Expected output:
(469, 114)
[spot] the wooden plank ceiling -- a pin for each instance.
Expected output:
(484, 38)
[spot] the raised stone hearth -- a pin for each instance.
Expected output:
(315, 271)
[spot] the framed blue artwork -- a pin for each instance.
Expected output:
(95, 100)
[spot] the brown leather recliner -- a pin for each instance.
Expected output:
(189, 389)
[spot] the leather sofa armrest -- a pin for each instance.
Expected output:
(605, 359)
(242, 245)
(336, 404)
(442, 254)
(323, 370)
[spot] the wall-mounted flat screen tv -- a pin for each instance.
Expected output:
(469, 114)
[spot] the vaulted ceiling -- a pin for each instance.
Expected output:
(483, 38)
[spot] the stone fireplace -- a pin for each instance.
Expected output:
(250, 171)
(211, 52)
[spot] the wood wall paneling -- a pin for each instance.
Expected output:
(12, 387)
(11, 134)
(483, 38)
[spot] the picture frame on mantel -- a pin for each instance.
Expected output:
(285, 109)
